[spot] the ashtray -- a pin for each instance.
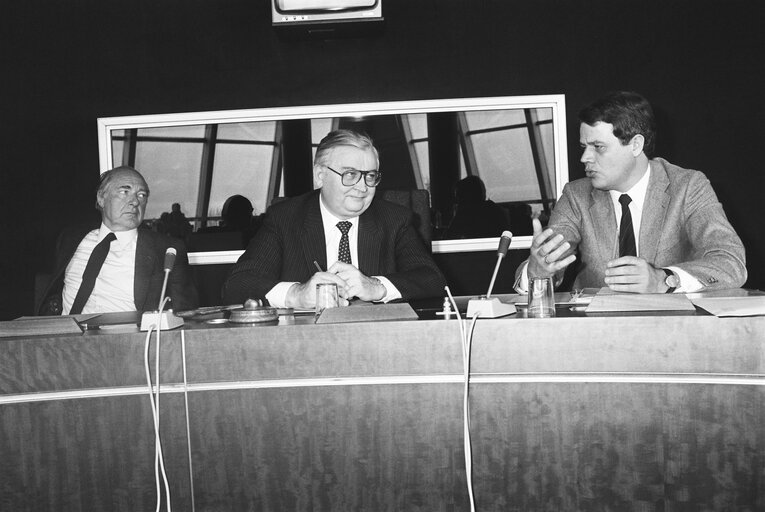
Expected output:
(254, 315)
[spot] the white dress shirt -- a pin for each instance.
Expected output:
(113, 291)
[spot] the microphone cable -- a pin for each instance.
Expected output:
(159, 460)
(466, 342)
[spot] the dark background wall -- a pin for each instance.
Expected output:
(64, 64)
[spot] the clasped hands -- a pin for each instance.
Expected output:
(550, 254)
(350, 283)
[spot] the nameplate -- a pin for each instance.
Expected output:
(367, 313)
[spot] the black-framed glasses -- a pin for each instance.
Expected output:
(350, 178)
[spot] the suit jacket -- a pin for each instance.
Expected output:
(683, 225)
(292, 237)
(149, 272)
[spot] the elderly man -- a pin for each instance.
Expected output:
(636, 224)
(117, 267)
(369, 248)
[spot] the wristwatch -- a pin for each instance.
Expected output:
(672, 281)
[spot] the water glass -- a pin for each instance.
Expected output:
(326, 297)
(541, 297)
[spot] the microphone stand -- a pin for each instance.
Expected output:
(488, 307)
(163, 320)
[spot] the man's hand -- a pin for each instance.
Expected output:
(356, 283)
(548, 252)
(633, 274)
(303, 295)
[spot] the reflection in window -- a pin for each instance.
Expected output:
(200, 166)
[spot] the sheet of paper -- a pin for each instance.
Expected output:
(608, 301)
(40, 326)
(732, 306)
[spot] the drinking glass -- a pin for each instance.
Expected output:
(541, 297)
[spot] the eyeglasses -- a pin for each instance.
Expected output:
(350, 178)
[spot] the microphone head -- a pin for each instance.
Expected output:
(504, 243)
(170, 254)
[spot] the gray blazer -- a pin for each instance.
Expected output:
(683, 225)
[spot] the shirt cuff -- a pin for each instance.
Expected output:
(391, 292)
(688, 283)
(277, 296)
(521, 285)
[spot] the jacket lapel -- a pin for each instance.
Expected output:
(312, 240)
(604, 220)
(653, 218)
(144, 262)
(370, 240)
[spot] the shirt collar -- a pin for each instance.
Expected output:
(123, 237)
(637, 192)
(329, 220)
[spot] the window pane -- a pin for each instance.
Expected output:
(494, 118)
(419, 125)
(319, 129)
(260, 131)
(172, 171)
(193, 131)
(118, 147)
(506, 165)
(241, 169)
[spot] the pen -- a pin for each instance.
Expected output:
(317, 266)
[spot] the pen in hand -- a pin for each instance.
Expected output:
(317, 266)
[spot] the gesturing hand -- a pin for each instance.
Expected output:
(549, 252)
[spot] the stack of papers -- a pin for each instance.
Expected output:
(608, 301)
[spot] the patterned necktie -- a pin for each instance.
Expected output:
(92, 269)
(626, 232)
(344, 251)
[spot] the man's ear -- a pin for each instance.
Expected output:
(318, 175)
(637, 143)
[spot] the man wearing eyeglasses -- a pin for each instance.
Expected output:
(368, 247)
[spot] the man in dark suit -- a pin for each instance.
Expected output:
(678, 237)
(385, 259)
(131, 276)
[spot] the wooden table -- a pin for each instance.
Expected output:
(570, 413)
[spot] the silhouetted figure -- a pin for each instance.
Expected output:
(174, 223)
(237, 216)
(474, 215)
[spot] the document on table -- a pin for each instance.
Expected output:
(608, 301)
(732, 306)
(31, 326)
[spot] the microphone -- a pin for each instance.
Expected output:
(170, 255)
(163, 320)
(488, 307)
(504, 245)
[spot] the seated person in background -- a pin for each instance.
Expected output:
(130, 277)
(636, 224)
(237, 216)
(174, 223)
(474, 215)
(379, 258)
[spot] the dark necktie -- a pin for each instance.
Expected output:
(344, 250)
(92, 269)
(626, 232)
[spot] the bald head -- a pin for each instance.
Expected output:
(121, 197)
